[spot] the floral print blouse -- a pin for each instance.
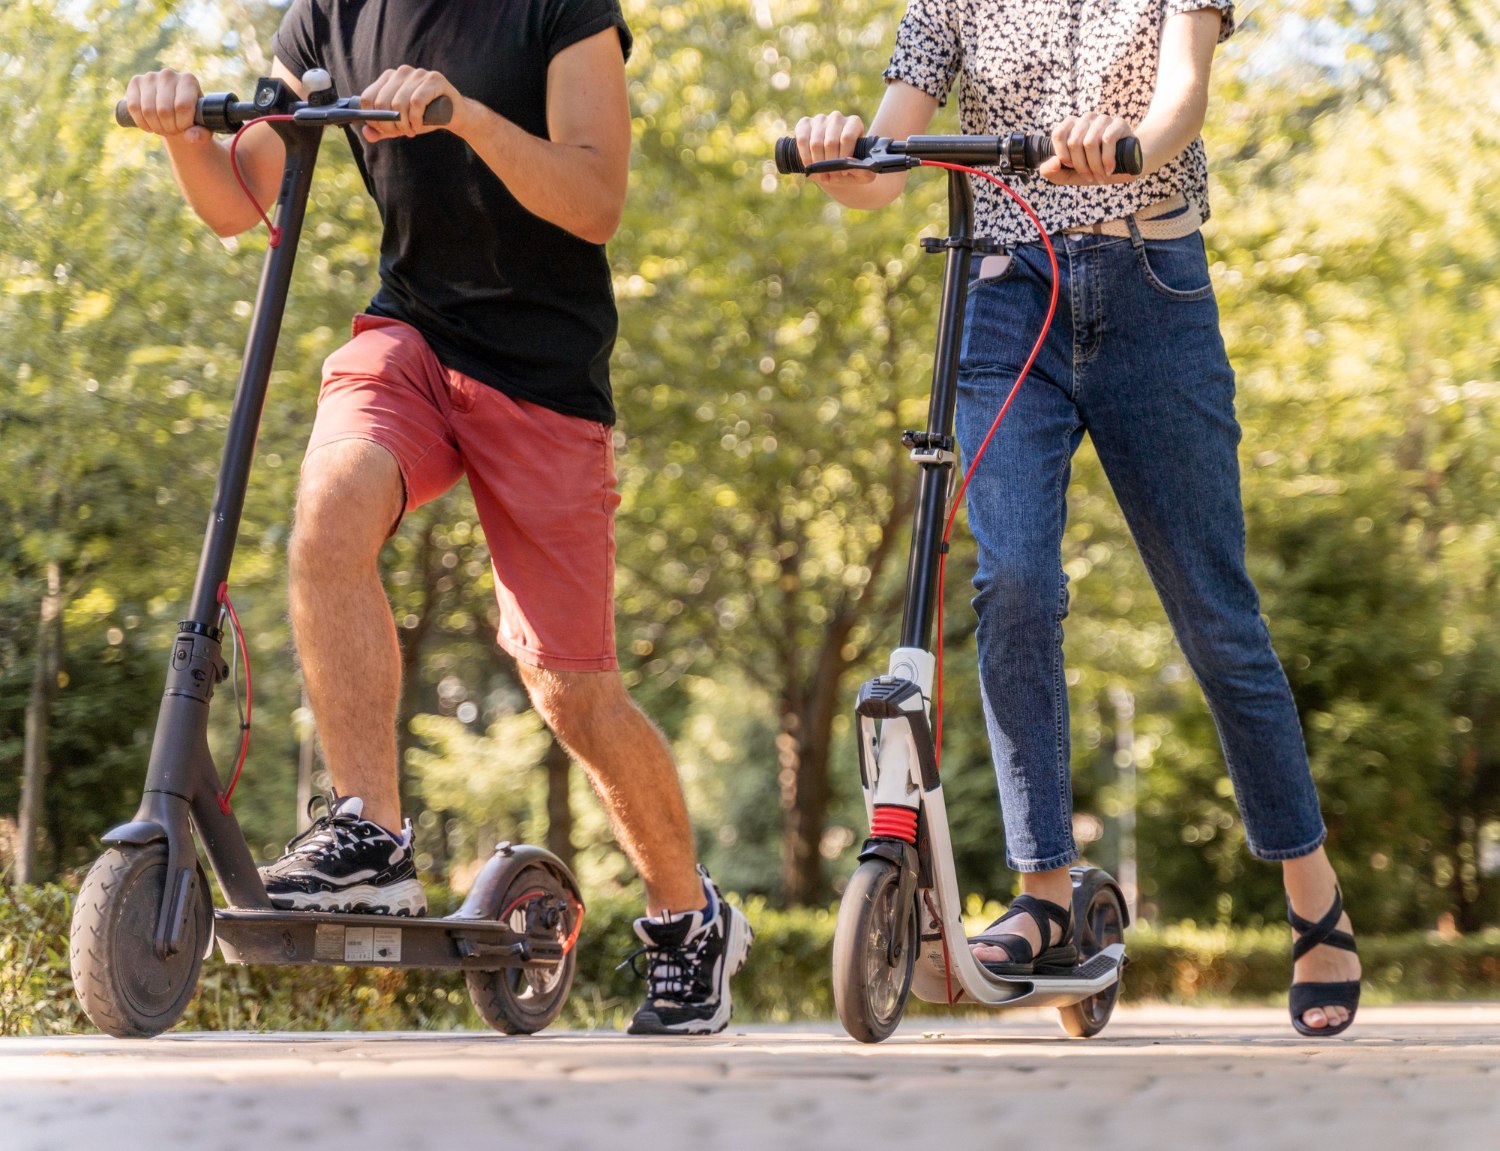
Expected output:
(1026, 65)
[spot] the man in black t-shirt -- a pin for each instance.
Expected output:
(484, 353)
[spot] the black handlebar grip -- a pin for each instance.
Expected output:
(789, 160)
(1128, 158)
(439, 112)
(123, 116)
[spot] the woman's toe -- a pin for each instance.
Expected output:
(1316, 1018)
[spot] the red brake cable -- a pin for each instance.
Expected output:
(240, 645)
(958, 496)
(234, 165)
(228, 604)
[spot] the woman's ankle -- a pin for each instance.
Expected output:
(1055, 886)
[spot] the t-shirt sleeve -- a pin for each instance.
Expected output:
(1225, 9)
(928, 51)
(566, 22)
(296, 42)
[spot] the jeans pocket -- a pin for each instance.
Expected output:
(995, 268)
(1178, 269)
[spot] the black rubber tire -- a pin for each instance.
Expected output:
(521, 1000)
(869, 989)
(1100, 924)
(126, 989)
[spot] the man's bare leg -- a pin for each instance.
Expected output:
(349, 495)
(631, 769)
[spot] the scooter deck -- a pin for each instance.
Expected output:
(355, 940)
(932, 982)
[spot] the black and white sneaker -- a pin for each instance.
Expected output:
(344, 862)
(689, 958)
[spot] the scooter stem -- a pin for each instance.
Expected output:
(260, 351)
(182, 784)
(936, 457)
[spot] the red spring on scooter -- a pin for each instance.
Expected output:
(895, 822)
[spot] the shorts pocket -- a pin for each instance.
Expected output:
(1178, 269)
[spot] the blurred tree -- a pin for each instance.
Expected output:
(762, 340)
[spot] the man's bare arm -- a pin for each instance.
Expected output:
(575, 179)
(163, 102)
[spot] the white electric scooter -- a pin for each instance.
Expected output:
(900, 927)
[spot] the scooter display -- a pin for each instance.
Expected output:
(144, 921)
(900, 927)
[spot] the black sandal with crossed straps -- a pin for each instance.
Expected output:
(1059, 959)
(1303, 997)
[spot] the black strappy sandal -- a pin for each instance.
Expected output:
(1058, 959)
(1303, 997)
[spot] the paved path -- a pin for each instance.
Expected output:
(1412, 1079)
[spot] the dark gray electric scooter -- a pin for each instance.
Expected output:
(900, 928)
(144, 921)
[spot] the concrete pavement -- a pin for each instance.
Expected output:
(1409, 1078)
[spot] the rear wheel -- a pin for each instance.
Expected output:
(1100, 924)
(874, 952)
(126, 988)
(523, 1000)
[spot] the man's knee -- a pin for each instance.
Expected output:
(348, 499)
(575, 704)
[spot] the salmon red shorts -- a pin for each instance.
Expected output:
(543, 483)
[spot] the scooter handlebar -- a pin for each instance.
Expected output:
(1021, 152)
(225, 109)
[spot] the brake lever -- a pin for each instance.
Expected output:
(877, 162)
(333, 114)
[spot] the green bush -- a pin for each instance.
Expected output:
(786, 980)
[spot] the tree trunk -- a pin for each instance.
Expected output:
(413, 645)
(805, 742)
(803, 748)
(559, 767)
(307, 759)
(38, 719)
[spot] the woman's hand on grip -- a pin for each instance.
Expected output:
(830, 136)
(1084, 150)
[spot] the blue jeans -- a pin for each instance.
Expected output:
(1135, 359)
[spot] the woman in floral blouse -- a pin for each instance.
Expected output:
(1135, 360)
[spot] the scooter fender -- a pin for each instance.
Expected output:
(136, 833)
(1086, 882)
(139, 833)
(483, 900)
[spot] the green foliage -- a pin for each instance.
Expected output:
(785, 981)
(36, 996)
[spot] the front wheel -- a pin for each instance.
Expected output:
(127, 990)
(523, 1000)
(874, 952)
(1100, 924)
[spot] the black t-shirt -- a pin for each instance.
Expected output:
(500, 294)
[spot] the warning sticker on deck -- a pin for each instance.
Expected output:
(359, 944)
(387, 944)
(328, 943)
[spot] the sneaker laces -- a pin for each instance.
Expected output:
(673, 971)
(332, 832)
